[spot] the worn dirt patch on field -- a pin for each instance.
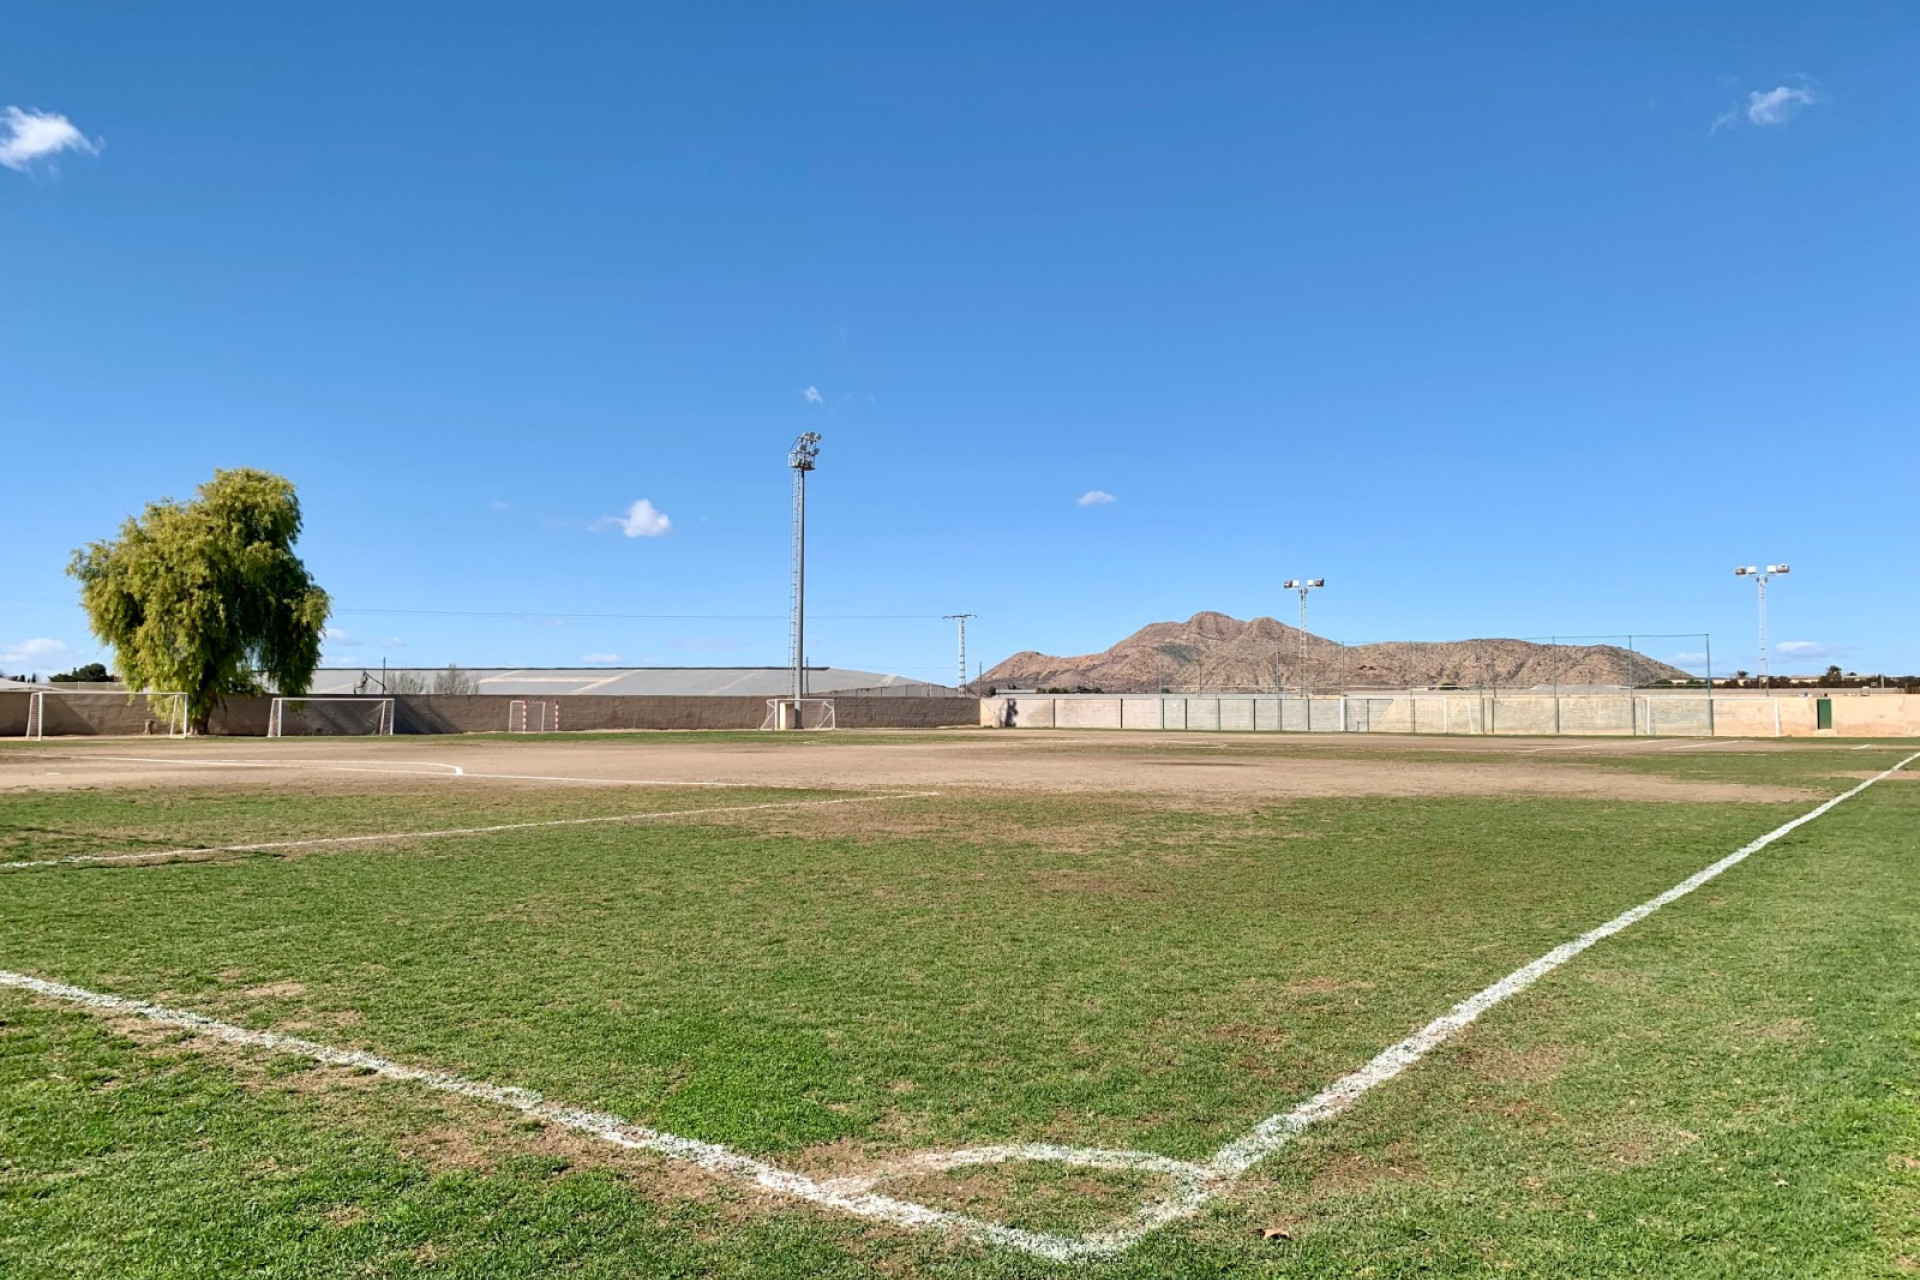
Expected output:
(984, 761)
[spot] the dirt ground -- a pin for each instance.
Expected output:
(1201, 767)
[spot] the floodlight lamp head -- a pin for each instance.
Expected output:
(1746, 571)
(804, 451)
(1779, 568)
(1316, 582)
(1291, 584)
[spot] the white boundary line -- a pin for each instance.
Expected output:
(847, 1195)
(162, 856)
(1275, 1132)
(1193, 1185)
(370, 766)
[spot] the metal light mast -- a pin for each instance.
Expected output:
(800, 459)
(1762, 576)
(1303, 585)
(961, 618)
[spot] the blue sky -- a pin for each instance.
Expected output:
(1507, 320)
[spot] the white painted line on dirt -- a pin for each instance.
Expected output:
(380, 766)
(850, 1195)
(1695, 746)
(158, 857)
(1275, 1132)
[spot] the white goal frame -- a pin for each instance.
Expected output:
(533, 715)
(825, 716)
(36, 726)
(276, 714)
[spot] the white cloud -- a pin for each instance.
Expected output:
(498, 504)
(1806, 649)
(335, 638)
(30, 136)
(1775, 106)
(1687, 659)
(599, 659)
(642, 520)
(812, 396)
(38, 652)
(1095, 498)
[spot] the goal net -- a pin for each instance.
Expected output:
(533, 715)
(105, 711)
(799, 713)
(329, 717)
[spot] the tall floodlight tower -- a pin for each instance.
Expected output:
(961, 618)
(800, 458)
(1303, 585)
(1761, 577)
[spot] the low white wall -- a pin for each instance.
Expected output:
(1467, 712)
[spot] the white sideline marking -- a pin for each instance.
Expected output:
(1275, 1132)
(1192, 1185)
(847, 1195)
(160, 856)
(373, 766)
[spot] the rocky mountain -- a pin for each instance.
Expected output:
(1213, 652)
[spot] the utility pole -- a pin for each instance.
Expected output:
(1762, 577)
(961, 618)
(801, 460)
(1303, 585)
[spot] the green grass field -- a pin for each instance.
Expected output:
(1726, 1089)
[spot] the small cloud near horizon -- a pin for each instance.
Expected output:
(40, 651)
(28, 137)
(1806, 649)
(599, 659)
(1687, 659)
(1095, 498)
(643, 520)
(336, 638)
(1772, 108)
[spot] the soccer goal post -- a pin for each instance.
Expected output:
(800, 713)
(533, 715)
(330, 717)
(105, 711)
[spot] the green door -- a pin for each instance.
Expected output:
(1823, 713)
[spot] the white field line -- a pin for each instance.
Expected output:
(1192, 1185)
(1275, 1132)
(848, 1196)
(376, 766)
(161, 856)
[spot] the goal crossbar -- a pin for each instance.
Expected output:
(173, 707)
(383, 708)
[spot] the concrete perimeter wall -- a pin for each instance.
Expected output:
(1740, 715)
(482, 713)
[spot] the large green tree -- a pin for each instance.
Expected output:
(207, 597)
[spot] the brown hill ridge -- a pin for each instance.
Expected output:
(1211, 652)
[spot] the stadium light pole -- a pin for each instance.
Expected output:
(961, 618)
(801, 459)
(1303, 585)
(1762, 577)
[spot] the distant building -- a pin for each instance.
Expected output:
(678, 682)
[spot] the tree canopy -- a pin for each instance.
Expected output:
(207, 597)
